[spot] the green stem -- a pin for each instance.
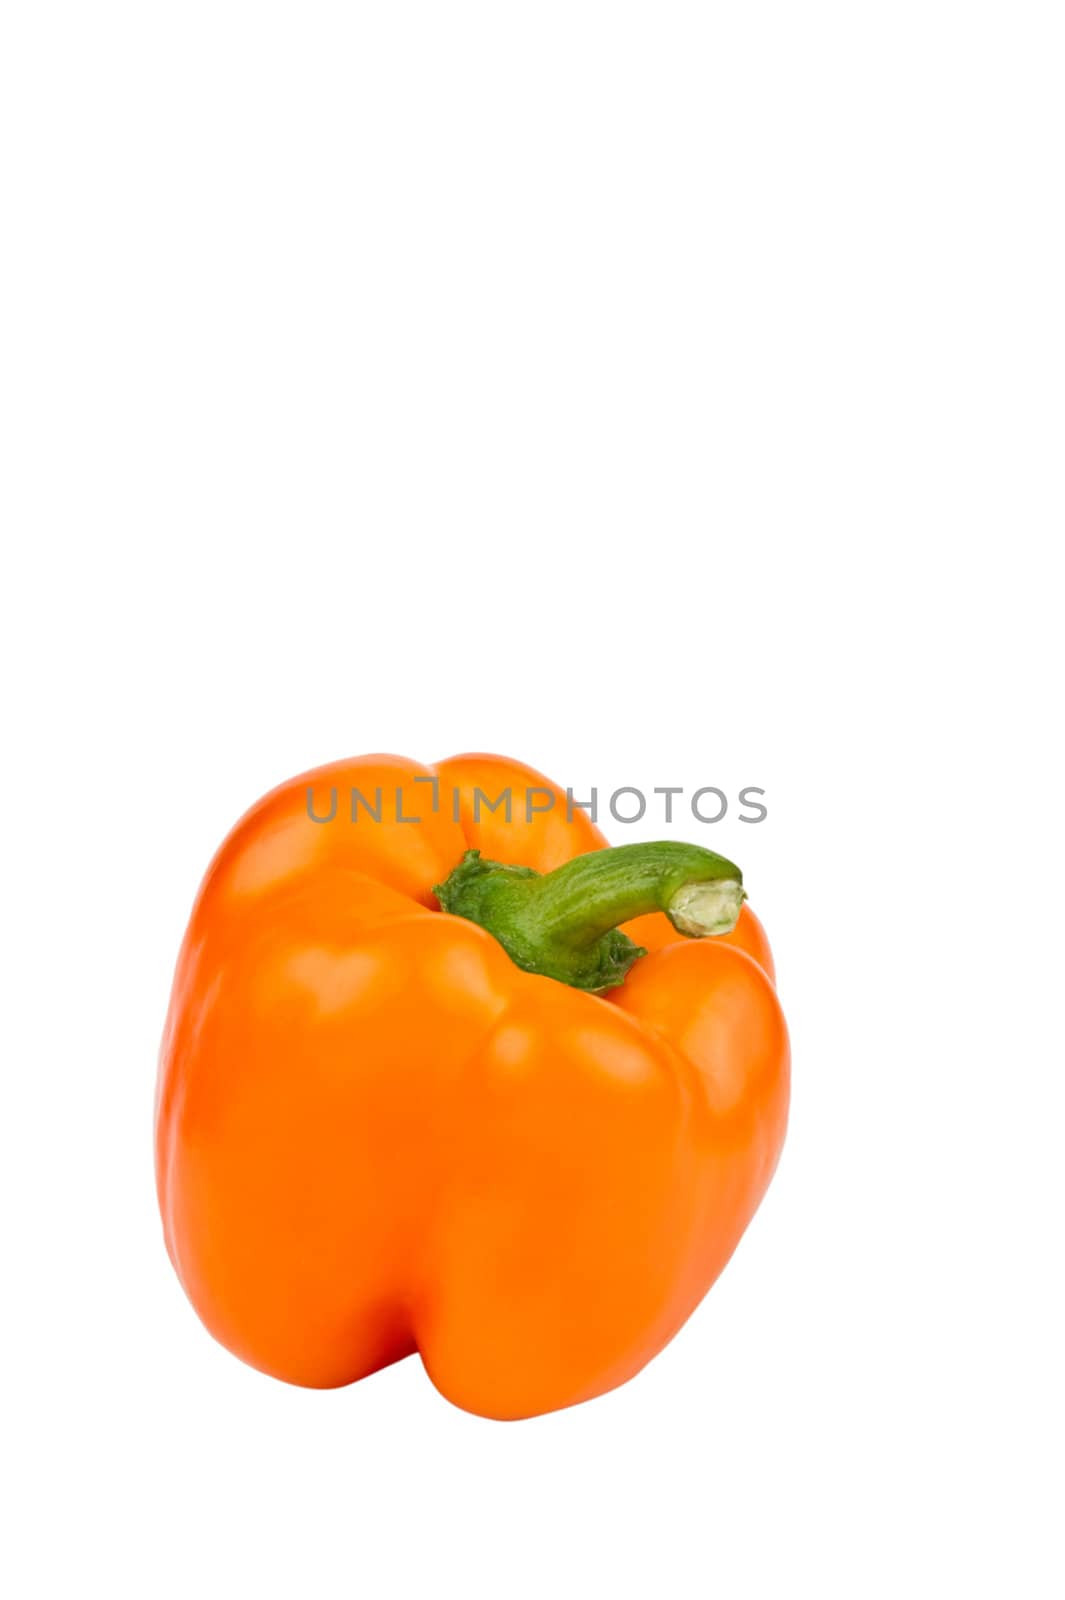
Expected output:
(564, 924)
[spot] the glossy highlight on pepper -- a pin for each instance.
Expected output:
(520, 1135)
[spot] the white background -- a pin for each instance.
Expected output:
(661, 394)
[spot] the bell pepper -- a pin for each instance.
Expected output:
(440, 1079)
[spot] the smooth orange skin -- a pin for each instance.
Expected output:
(376, 1135)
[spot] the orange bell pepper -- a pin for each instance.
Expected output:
(498, 1134)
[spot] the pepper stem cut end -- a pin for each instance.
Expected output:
(703, 910)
